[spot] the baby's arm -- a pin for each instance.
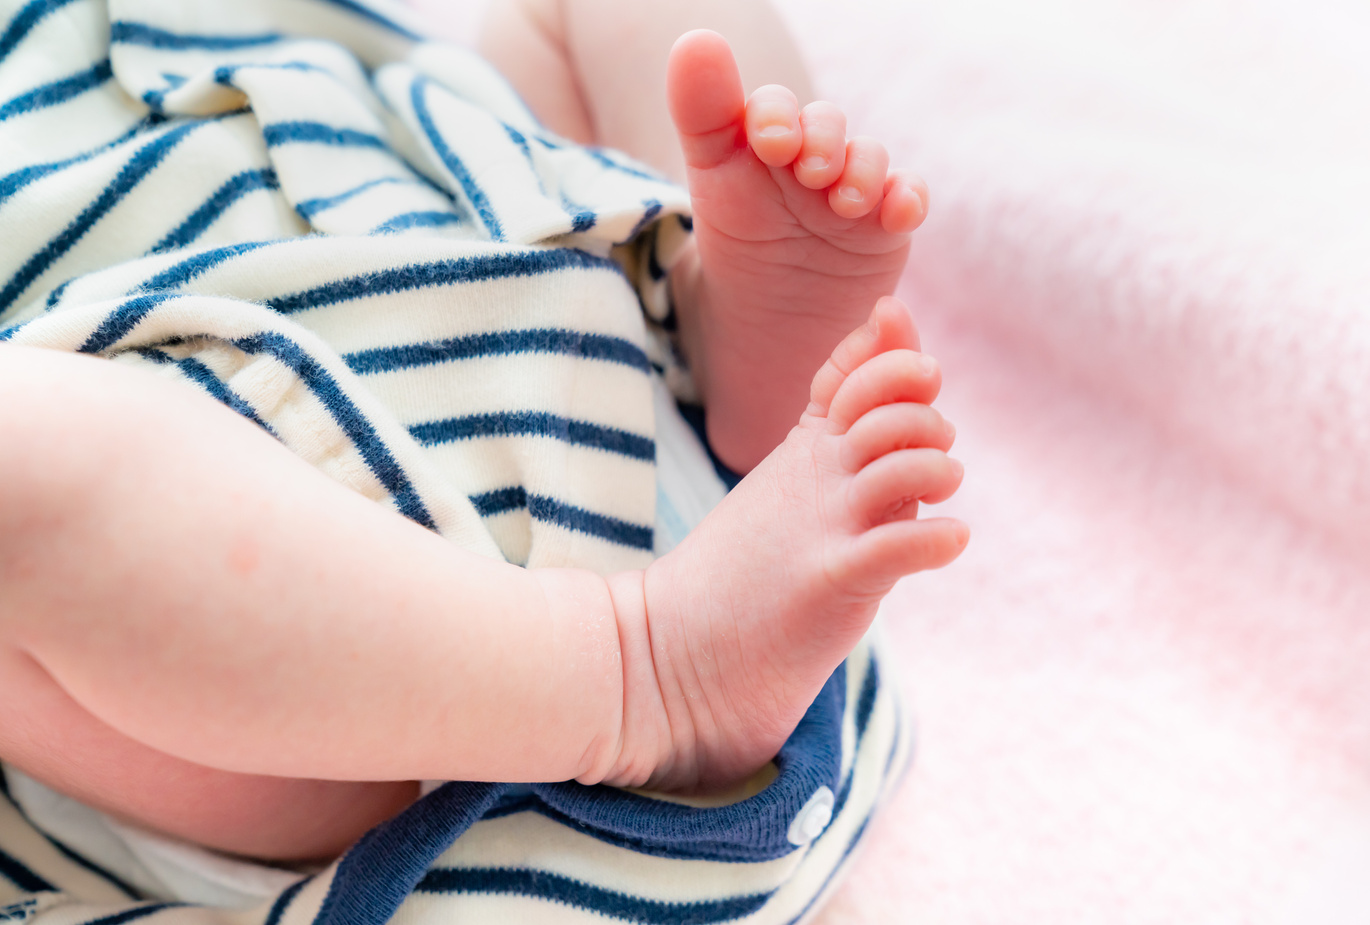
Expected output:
(196, 587)
(172, 577)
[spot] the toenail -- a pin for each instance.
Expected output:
(815, 162)
(957, 468)
(774, 131)
(850, 192)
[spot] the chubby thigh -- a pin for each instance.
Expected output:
(47, 735)
(179, 592)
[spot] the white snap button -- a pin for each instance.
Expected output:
(813, 818)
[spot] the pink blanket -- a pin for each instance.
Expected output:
(1143, 694)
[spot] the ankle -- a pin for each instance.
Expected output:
(644, 742)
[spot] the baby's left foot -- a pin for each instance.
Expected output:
(728, 638)
(798, 230)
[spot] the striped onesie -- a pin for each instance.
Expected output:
(362, 241)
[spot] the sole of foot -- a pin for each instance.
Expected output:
(753, 612)
(798, 229)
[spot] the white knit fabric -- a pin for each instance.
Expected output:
(415, 346)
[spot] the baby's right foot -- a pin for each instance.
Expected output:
(798, 231)
(730, 637)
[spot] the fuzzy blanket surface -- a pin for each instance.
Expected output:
(1143, 693)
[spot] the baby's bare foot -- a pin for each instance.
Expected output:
(797, 231)
(751, 614)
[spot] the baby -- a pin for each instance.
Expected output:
(269, 671)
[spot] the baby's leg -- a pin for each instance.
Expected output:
(204, 635)
(190, 613)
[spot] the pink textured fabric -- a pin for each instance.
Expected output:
(1143, 694)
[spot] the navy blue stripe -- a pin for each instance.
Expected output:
(841, 802)
(139, 166)
(118, 883)
(205, 378)
(180, 273)
(836, 870)
(13, 182)
(652, 210)
(581, 219)
(417, 220)
(224, 75)
(15, 872)
(500, 501)
(283, 902)
(235, 188)
(441, 273)
(500, 343)
(549, 510)
(365, 12)
(540, 884)
(517, 138)
(131, 915)
(59, 91)
(535, 424)
(55, 295)
(865, 702)
(378, 872)
(122, 320)
(154, 99)
(311, 207)
(358, 429)
(137, 33)
(454, 166)
(24, 21)
(318, 133)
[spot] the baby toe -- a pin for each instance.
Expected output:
(888, 378)
(862, 183)
(889, 327)
(889, 428)
(823, 154)
(773, 128)
(905, 204)
(882, 555)
(890, 488)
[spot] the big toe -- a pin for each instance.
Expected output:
(704, 93)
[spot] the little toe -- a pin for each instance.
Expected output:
(889, 428)
(885, 379)
(773, 127)
(823, 154)
(862, 184)
(890, 488)
(889, 327)
(905, 204)
(883, 555)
